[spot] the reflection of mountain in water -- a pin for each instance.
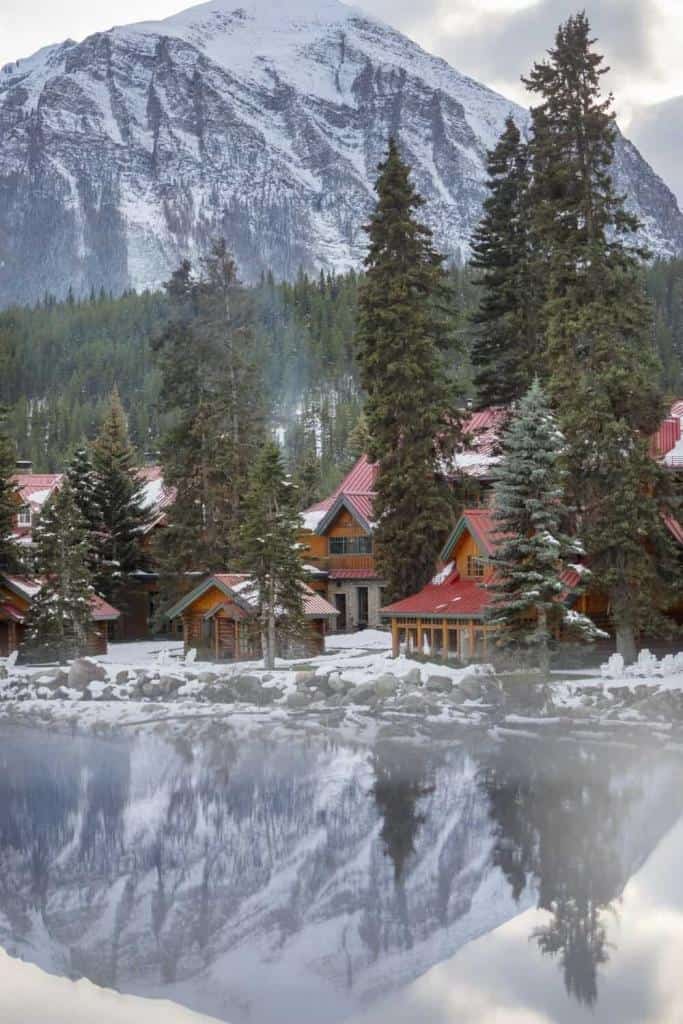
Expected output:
(262, 881)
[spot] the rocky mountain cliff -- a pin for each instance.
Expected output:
(124, 153)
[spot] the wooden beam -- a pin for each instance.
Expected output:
(395, 639)
(444, 640)
(419, 636)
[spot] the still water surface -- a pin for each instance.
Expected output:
(268, 878)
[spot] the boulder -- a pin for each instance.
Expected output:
(413, 676)
(470, 687)
(414, 703)
(84, 671)
(439, 684)
(306, 678)
(363, 693)
(123, 676)
(168, 685)
(220, 693)
(336, 684)
(386, 685)
(207, 677)
(247, 688)
(297, 700)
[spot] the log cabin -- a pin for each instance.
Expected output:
(16, 595)
(219, 618)
(447, 619)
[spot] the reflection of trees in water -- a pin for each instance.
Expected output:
(558, 820)
(403, 776)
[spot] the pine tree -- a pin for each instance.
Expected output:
(271, 551)
(506, 345)
(604, 373)
(60, 616)
(213, 387)
(529, 513)
(85, 484)
(9, 500)
(404, 330)
(118, 498)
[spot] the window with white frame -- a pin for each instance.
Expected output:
(24, 516)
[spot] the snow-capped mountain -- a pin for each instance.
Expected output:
(263, 122)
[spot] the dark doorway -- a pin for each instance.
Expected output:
(340, 605)
(362, 607)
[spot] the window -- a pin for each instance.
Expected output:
(476, 566)
(362, 594)
(24, 516)
(350, 545)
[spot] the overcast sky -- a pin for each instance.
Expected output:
(492, 40)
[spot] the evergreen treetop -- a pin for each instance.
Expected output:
(404, 330)
(506, 345)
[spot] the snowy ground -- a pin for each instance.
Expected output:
(356, 679)
(30, 996)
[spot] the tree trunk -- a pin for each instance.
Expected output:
(543, 649)
(626, 642)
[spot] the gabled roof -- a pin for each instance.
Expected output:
(9, 611)
(241, 589)
(357, 487)
(35, 488)
(357, 505)
(28, 587)
(477, 521)
(156, 496)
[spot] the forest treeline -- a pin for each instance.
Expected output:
(60, 360)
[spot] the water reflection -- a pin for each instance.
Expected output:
(262, 880)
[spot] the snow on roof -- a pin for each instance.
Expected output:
(244, 588)
(453, 598)
(35, 488)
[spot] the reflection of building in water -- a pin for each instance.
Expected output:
(193, 868)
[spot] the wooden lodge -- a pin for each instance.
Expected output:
(16, 595)
(220, 621)
(339, 549)
(447, 618)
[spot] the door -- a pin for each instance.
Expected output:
(362, 620)
(340, 605)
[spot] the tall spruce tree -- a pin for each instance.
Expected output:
(212, 383)
(604, 372)
(271, 551)
(85, 484)
(119, 501)
(9, 499)
(60, 616)
(506, 342)
(405, 322)
(530, 518)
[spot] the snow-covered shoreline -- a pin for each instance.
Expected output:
(355, 679)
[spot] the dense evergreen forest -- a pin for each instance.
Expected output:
(59, 362)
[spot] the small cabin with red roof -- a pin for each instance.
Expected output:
(16, 596)
(447, 618)
(220, 619)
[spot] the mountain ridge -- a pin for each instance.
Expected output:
(129, 151)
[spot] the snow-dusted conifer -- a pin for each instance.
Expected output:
(533, 550)
(84, 481)
(60, 616)
(271, 551)
(118, 496)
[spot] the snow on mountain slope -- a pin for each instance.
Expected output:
(124, 153)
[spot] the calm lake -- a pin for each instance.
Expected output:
(265, 877)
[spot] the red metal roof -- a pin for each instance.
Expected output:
(102, 611)
(229, 579)
(455, 598)
(30, 484)
(316, 607)
(674, 528)
(481, 523)
(358, 487)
